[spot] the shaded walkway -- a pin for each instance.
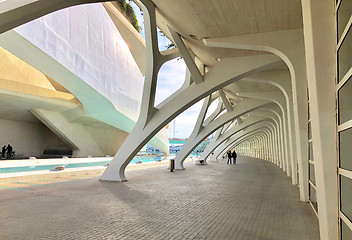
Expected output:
(251, 200)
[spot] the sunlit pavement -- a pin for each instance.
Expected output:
(250, 200)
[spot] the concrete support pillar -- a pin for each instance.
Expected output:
(253, 137)
(279, 99)
(320, 44)
(243, 107)
(239, 136)
(249, 121)
(273, 114)
(289, 45)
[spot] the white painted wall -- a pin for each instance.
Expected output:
(109, 140)
(85, 41)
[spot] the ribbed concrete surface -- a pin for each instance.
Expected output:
(250, 200)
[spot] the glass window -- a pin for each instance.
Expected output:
(345, 139)
(345, 101)
(344, 56)
(309, 130)
(313, 197)
(311, 173)
(310, 151)
(346, 233)
(343, 15)
(346, 196)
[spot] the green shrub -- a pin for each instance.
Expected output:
(128, 12)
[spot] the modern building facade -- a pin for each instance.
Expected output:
(282, 71)
(66, 85)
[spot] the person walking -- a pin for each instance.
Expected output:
(229, 155)
(3, 151)
(9, 151)
(234, 156)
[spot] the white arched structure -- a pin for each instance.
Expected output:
(302, 34)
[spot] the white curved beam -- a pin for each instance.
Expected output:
(249, 121)
(263, 137)
(219, 76)
(191, 65)
(243, 107)
(279, 157)
(279, 99)
(223, 148)
(274, 113)
(282, 80)
(289, 46)
(262, 127)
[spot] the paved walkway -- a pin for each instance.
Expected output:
(250, 200)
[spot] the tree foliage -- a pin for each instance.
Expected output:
(127, 10)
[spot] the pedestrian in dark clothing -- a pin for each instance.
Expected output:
(234, 156)
(9, 151)
(3, 151)
(229, 155)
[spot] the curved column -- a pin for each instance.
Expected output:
(289, 46)
(252, 139)
(249, 121)
(268, 146)
(236, 138)
(259, 147)
(276, 146)
(265, 147)
(153, 119)
(282, 80)
(259, 137)
(278, 98)
(255, 139)
(261, 143)
(221, 150)
(277, 129)
(198, 135)
(276, 116)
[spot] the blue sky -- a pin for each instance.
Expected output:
(171, 77)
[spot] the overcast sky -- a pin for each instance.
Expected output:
(171, 77)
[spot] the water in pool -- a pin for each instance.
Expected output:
(72, 165)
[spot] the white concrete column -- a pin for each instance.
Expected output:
(242, 108)
(279, 99)
(236, 137)
(289, 46)
(222, 141)
(249, 121)
(274, 115)
(282, 80)
(320, 44)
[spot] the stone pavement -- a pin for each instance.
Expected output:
(250, 200)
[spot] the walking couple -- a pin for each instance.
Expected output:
(231, 155)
